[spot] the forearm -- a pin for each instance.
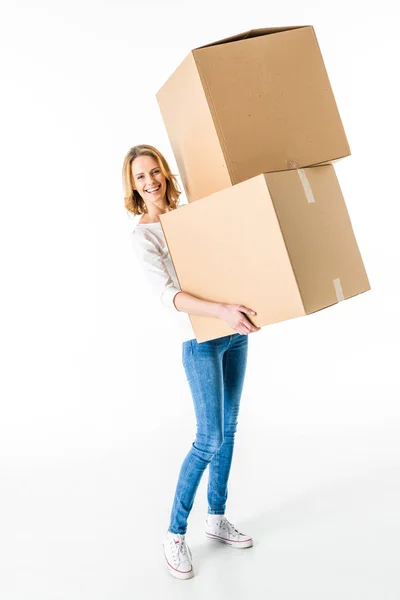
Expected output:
(190, 304)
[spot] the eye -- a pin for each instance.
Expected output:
(139, 177)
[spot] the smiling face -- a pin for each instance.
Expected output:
(149, 180)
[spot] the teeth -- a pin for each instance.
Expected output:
(154, 189)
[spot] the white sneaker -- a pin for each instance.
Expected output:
(223, 531)
(178, 556)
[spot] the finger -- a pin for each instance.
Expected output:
(240, 329)
(246, 327)
(246, 310)
(249, 324)
(253, 328)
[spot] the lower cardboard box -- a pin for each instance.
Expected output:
(280, 243)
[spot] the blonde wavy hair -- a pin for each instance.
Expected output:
(134, 203)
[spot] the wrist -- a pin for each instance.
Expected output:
(221, 310)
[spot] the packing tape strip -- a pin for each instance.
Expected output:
(338, 290)
(306, 186)
(310, 198)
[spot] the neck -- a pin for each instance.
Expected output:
(153, 215)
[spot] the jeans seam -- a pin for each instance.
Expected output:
(179, 498)
(216, 478)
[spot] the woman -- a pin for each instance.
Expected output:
(215, 369)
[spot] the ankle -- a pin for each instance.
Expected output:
(213, 519)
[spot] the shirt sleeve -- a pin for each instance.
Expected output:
(155, 271)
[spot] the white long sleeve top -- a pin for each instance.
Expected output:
(152, 251)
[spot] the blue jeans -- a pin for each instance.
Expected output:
(215, 371)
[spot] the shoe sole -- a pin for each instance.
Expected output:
(243, 544)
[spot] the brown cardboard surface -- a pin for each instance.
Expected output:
(192, 131)
(263, 244)
(318, 235)
(260, 103)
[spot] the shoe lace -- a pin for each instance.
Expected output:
(225, 524)
(182, 548)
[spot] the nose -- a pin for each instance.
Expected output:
(150, 179)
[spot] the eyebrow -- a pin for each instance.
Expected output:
(136, 174)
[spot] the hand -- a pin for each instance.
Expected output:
(235, 316)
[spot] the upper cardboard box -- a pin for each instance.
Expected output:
(254, 103)
(294, 254)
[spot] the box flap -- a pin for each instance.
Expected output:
(250, 34)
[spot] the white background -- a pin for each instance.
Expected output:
(96, 413)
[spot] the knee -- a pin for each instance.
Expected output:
(215, 442)
(210, 443)
(230, 431)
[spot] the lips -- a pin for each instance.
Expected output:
(153, 190)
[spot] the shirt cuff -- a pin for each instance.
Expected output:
(168, 297)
